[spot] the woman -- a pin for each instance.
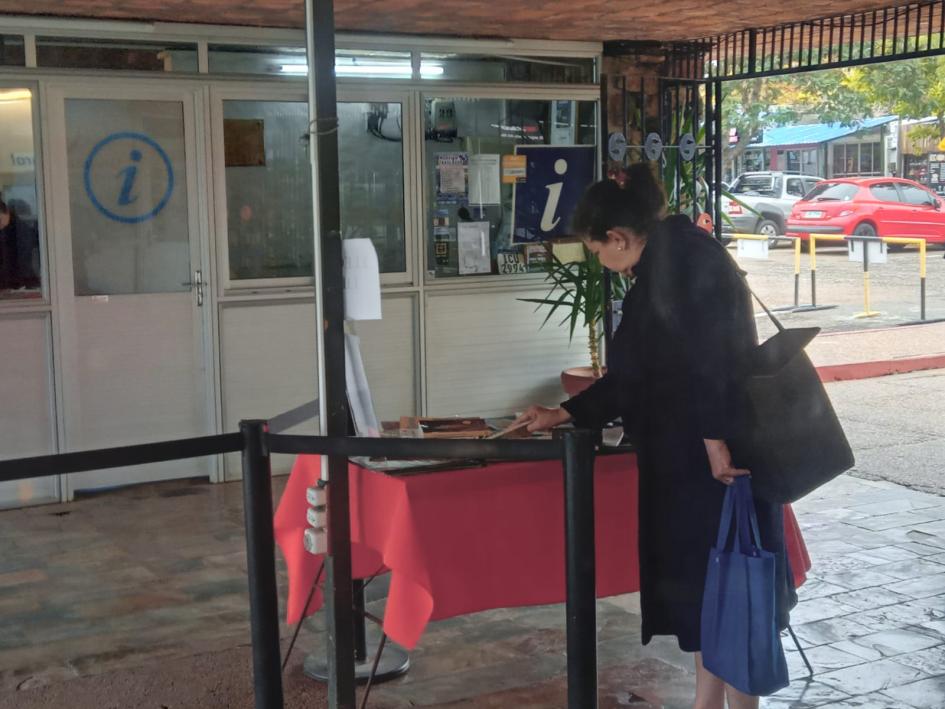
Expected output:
(676, 370)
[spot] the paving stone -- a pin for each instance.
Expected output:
(930, 660)
(819, 609)
(897, 642)
(880, 675)
(856, 580)
(922, 587)
(870, 598)
(832, 630)
(924, 694)
(830, 657)
(805, 694)
(911, 569)
(815, 588)
(876, 700)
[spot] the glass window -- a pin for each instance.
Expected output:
(269, 185)
(795, 187)
(73, 53)
(239, 59)
(809, 185)
(839, 160)
(833, 192)
(755, 185)
(866, 158)
(481, 168)
(128, 196)
(485, 68)
(12, 51)
(20, 270)
(885, 192)
(916, 195)
(291, 61)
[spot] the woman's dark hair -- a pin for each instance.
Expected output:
(637, 206)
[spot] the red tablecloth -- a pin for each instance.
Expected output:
(464, 541)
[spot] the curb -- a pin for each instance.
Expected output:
(879, 368)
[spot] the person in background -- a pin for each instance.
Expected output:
(19, 251)
(677, 366)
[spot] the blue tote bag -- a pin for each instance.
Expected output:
(740, 640)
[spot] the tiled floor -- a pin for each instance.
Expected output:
(148, 574)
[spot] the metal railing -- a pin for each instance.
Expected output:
(575, 448)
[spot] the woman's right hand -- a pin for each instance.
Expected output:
(541, 418)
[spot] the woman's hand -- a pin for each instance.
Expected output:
(720, 459)
(541, 418)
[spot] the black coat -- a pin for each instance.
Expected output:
(677, 367)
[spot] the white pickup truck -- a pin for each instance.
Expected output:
(771, 195)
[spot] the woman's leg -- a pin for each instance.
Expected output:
(737, 700)
(710, 690)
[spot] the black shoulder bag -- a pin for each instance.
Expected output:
(793, 441)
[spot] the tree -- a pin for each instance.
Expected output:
(751, 105)
(912, 88)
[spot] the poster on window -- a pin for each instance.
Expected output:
(557, 176)
(451, 178)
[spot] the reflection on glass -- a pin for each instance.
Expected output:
(268, 189)
(239, 59)
(20, 270)
(81, 53)
(269, 193)
(128, 196)
(465, 139)
(372, 179)
(12, 50)
(494, 69)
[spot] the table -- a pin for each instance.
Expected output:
(470, 540)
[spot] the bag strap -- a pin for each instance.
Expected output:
(725, 524)
(747, 516)
(744, 276)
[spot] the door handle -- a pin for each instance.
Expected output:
(198, 283)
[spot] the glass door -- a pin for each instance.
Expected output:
(132, 287)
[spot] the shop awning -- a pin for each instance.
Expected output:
(815, 133)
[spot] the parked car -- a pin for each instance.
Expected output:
(870, 206)
(770, 197)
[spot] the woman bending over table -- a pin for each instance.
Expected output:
(676, 378)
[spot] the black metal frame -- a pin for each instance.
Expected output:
(908, 31)
(575, 448)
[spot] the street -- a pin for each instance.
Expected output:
(896, 426)
(895, 289)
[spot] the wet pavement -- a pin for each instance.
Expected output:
(136, 583)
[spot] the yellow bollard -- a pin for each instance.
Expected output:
(921, 243)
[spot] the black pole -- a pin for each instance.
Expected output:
(719, 147)
(580, 568)
(360, 631)
(604, 118)
(323, 103)
(261, 566)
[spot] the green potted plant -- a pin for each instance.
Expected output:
(577, 293)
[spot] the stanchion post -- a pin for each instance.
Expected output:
(261, 566)
(580, 567)
(797, 272)
(813, 271)
(922, 278)
(866, 278)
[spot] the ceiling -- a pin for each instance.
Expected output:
(591, 20)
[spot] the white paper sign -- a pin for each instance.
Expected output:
(876, 251)
(753, 248)
(473, 238)
(484, 178)
(362, 280)
(359, 393)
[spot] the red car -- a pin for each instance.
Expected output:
(869, 206)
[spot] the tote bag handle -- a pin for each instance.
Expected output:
(739, 505)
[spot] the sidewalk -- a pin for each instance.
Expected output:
(842, 356)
